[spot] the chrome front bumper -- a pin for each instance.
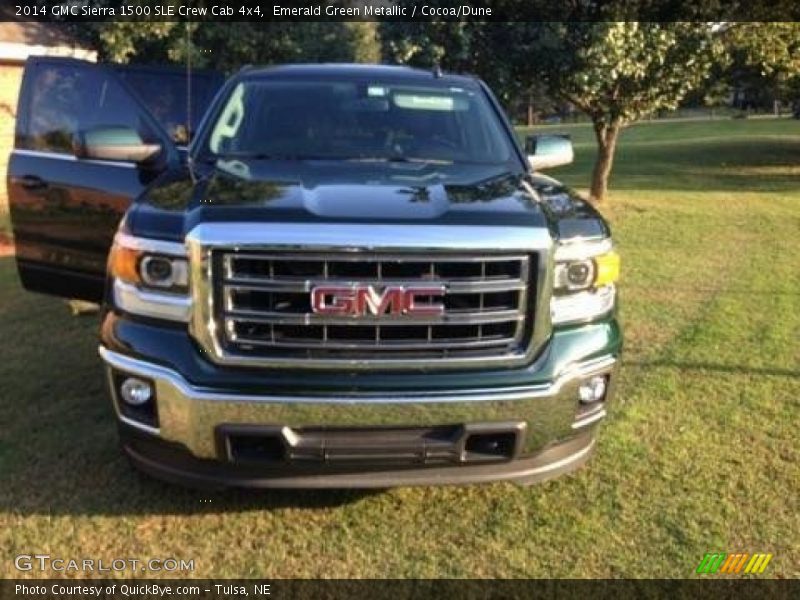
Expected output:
(190, 417)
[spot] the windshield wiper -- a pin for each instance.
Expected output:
(263, 156)
(400, 159)
(382, 159)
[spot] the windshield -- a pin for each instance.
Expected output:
(358, 121)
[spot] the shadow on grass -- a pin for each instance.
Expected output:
(80, 488)
(166, 498)
(93, 478)
(59, 452)
(761, 164)
(717, 368)
(767, 292)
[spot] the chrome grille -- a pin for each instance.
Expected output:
(263, 305)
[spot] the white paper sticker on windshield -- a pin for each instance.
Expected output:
(424, 102)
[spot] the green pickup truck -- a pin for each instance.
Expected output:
(353, 276)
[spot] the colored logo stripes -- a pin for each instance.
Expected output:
(742, 562)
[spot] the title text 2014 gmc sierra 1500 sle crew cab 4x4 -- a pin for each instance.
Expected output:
(352, 277)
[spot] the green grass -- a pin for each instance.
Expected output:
(699, 453)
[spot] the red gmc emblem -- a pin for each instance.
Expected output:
(361, 300)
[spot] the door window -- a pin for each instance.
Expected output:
(164, 91)
(66, 98)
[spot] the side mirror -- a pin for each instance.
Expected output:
(547, 151)
(113, 143)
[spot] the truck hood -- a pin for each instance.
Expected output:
(279, 191)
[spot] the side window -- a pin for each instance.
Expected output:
(165, 94)
(64, 99)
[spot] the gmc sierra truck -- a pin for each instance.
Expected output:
(352, 276)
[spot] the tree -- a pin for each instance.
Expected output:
(228, 46)
(616, 72)
(766, 55)
(457, 46)
(774, 47)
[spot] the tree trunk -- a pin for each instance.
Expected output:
(530, 110)
(606, 135)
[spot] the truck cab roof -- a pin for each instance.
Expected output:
(358, 71)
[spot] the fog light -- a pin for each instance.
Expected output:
(592, 390)
(135, 391)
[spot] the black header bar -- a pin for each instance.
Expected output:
(460, 589)
(400, 10)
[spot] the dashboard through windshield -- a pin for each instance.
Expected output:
(358, 121)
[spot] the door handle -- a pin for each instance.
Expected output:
(33, 183)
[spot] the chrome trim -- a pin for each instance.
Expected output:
(159, 305)
(581, 249)
(190, 415)
(574, 372)
(365, 242)
(150, 245)
(592, 417)
(452, 318)
(439, 344)
(136, 424)
(582, 307)
(279, 283)
(305, 285)
(73, 158)
(115, 400)
(359, 237)
(442, 254)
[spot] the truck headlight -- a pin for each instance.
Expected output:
(150, 277)
(164, 272)
(574, 275)
(132, 262)
(583, 283)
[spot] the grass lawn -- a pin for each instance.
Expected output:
(700, 452)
